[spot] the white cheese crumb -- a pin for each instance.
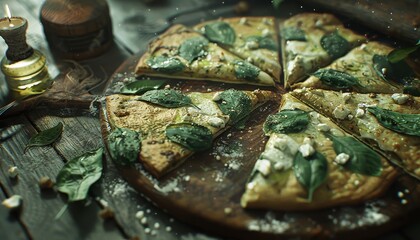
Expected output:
(400, 194)
(306, 150)
(243, 21)
(216, 96)
(216, 122)
(187, 178)
(157, 225)
(218, 158)
(251, 45)
(153, 232)
(309, 141)
(350, 116)
(13, 172)
(319, 23)
(280, 143)
(356, 182)
(250, 59)
(250, 185)
(139, 215)
(281, 166)
(399, 98)
(383, 70)
(322, 127)
(143, 220)
(360, 113)
(407, 191)
(147, 230)
(167, 86)
(168, 228)
(403, 201)
(341, 112)
(228, 210)
(263, 166)
(266, 33)
(341, 158)
(13, 202)
(363, 46)
(346, 96)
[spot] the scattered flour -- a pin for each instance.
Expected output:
(269, 224)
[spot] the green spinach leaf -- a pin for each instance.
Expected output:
(335, 45)
(76, 177)
(167, 98)
(124, 146)
(336, 79)
(362, 159)
(311, 172)
(263, 42)
(246, 71)
(193, 48)
(286, 121)
(399, 122)
(141, 86)
(397, 55)
(236, 104)
(293, 34)
(276, 3)
(45, 137)
(190, 135)
(220, 32)
(165, 64)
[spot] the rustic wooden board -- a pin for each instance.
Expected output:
(215, 186)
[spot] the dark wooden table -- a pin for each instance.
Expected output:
(38, 218)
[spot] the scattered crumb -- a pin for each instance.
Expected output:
(157, 225)
(143, 220)
(228, 210)
(45, 183)
(13, 172)
(13, 202)
(168, 228)
(139, 215)
(403, 201)
(147, 230)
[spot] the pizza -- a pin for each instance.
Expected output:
(365, 69)
(387, 122)
(310, 163)
(172, 125)
(254, 39)
(311, 41)
(183, 53)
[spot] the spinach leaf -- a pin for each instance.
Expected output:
(76, 177)
(311, 172)
(286, 121)
(234, 103)
(165, 64)
(246, 71)
(362, 159)
(141, 86)
(399, 122)
(166, 98)
(190, 135)
(276, 3)
(124, 146)
(335, 45)
(193, 48)
(398, 72)
(336, 79)
(45, 137)
(220, 32)
(293, 34)
(397, 55)
(263, 42)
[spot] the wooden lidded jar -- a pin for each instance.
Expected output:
(77, 29)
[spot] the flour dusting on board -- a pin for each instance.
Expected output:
(230, 152)
(269, 224)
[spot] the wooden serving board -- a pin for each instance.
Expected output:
(205, 191)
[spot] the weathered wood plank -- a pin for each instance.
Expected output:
(9, 223)
(40, 208)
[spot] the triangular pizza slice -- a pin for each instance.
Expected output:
(310, 163)
(254, 39)
(388, 122)
(186, 54)
(365, 69)
(173, 125)
(313, 40)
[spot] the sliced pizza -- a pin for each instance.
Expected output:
(313, 40)
(172, 125)
(310, 163)
(365, 69)
(184, 53)
(251, 38)
(388, 122)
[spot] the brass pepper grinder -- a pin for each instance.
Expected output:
(24, 67)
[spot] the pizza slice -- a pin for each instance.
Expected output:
(172, 125)
(313, 40)
(310, 163)
(388, 122)
(252, 38)
(365, 69)
(184, 53)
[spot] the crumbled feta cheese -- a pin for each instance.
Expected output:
(250, 185)
(350, 116)
(322, 127)
(147, 230)
(365, 105)
(346, 96)
(250, 60)
(13, 202)
(399, 98)
(216, 96)
(263, 166)
(281, 166)
(139, 215)
(319, 23)
(13, 172)
(400, 194)
(363, 46)
(403, 201)
(157, 225)
(143, 220)
(356, 182)
(216, 122)
(341, 112)
(383, 70)
(228, 210)
(309, 141)
(280, 143)
(341, 158)
(306, 150)
(168, 228)
(360, 113)
(187, 178)
(266, 33)
(243, 21)
(251, 45)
